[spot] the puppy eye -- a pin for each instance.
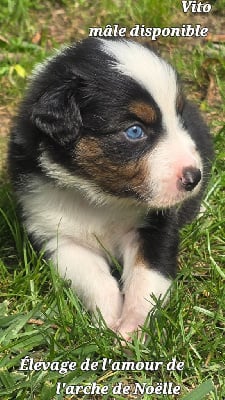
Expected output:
(135, 132)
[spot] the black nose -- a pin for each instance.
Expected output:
(190, 178)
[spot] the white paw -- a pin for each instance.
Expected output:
(110, 304)
(129, 324)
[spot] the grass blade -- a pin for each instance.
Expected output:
(201, 391)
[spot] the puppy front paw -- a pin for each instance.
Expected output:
(109, 304)
(130, 324)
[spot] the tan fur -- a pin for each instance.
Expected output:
(179, 102)
(143, 111)
(110, 175)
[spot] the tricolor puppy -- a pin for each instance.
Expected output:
(106, 153)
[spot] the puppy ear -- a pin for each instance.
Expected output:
(57, 115)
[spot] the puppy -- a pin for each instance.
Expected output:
(106, 153)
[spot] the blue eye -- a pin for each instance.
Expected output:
(135, 132)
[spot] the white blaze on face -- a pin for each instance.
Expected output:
(167, 163)
(176, 150)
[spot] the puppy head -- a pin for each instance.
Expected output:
(117, 111)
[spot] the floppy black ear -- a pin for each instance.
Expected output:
(57, 115)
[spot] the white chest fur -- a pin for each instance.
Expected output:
(55, 212)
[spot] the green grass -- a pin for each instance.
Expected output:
(40, 316)
(218, 5)
(148, 12)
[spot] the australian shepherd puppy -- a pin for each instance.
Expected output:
(107, 154)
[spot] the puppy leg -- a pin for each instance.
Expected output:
(91, 279)
(139, 285)
(142, 281)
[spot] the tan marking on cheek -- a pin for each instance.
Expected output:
(143, 111)
(88, 148)
(114, 177)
